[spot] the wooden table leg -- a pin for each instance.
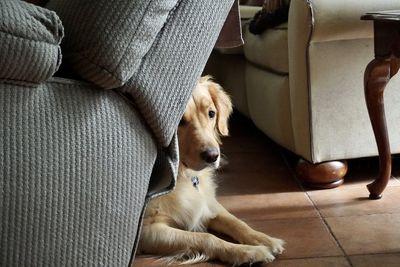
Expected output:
(377, 75)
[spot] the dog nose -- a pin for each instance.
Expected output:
(210, 155)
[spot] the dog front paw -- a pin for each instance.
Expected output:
(277, 245)
(245, 254)
(261, 254)
(261, 239)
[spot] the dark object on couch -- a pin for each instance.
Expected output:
(273, 13)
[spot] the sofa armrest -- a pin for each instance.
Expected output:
(248, 12)
(29, 42)
(340, 19)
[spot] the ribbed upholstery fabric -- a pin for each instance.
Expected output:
(162, 85)
(30, 38)
(75, 163)
(106, 40)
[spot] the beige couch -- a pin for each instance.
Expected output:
(302, 82)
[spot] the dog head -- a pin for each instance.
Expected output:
(204, 121)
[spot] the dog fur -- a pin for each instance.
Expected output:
(175, 225)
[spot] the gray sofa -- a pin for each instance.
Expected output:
(77, 162)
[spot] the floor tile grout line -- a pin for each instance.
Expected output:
(362, 215)
(376, 254)
(316, 208)
(312, 257)
(330, 230)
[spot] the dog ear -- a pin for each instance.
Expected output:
(224, 106)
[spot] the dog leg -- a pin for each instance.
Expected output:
(228, 224)
(191, 247)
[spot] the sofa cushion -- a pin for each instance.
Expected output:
(162, 85)
(29, 42)
(268, 50)
(105, 41)
(268, 98)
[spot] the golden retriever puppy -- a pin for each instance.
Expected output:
(175, 225)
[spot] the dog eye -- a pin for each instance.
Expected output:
(211, 114)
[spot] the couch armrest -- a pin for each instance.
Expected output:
(340, 19)
(248, 12)
(29, 42)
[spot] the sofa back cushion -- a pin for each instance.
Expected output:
(29, 42)
(105, 41)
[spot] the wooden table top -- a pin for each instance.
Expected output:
(389, 15)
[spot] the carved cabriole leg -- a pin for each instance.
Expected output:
(323, 175)
(377, 75)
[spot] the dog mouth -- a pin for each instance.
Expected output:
(201, 166)
(213, 165)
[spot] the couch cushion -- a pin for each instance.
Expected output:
(106, 40)
(162, 85)
(29, 42)
(268, 97)
(269, 49)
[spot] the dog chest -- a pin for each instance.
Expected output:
(195, 202)
(195, 198)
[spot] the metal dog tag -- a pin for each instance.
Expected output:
(195, 181)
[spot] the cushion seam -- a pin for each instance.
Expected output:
(19, 82)
(88, 60)
(132, 38)
(28, 39)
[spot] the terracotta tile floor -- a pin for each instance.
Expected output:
(322, 228)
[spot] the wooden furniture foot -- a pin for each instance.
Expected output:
(323, 175)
